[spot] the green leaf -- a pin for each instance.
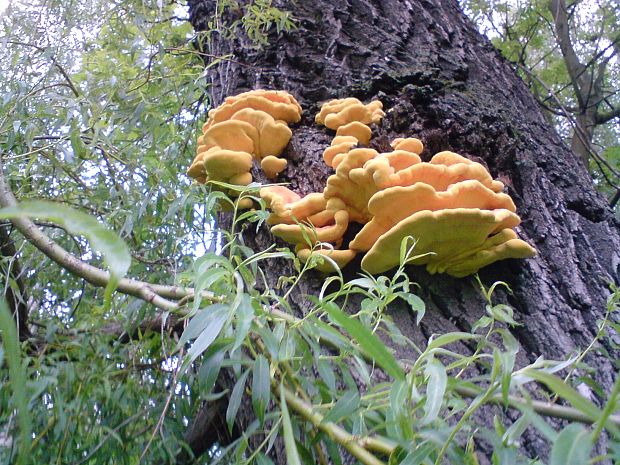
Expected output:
(200, 322)
(79, 149)
(235, 400)
(367, 340)
(245, 316)
(292, 455)
(514, 432)
(262, 459)
(260, 387)
(105, 241)
(417, 305)
(435, 390)
(210, 369)
(332, 450)
(417, 456)
(572, 447)
(348, 403)
(17, 375)
(559, 387)
(449, 338)
(326, 373)
(206, 338)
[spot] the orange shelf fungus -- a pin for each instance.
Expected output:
(279, 104)
(340, 257)
(251, 125)
(452, 208)
(340, 112)
(439, 235)
(410, 144)
(331, 228)
(272, 166)
(354, 192)
(340, 146)
(356, 129)
(421, 196)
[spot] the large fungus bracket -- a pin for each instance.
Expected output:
(452, 206)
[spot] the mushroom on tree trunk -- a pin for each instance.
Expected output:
(442, 82)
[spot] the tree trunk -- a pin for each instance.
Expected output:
(442, 82)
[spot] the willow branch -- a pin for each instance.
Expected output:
(543, 408)
(156, 294)
(338, 434)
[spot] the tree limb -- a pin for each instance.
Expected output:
(574, 67)
(155, 294)
(605, 116)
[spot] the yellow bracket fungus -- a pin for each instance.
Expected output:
(252, 125)
(451, 207)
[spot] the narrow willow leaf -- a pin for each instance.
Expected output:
(235, 400)
(514, 432)
(332, 450)
(366, 283)
(435, 389)
(326, 373)
(206, 338)
(367, 340)
(292, 456)
(105, 241)
(245, 316)
(200, 322)
(17, 375)
(348, 403)
(397, 455)
(559, 387)
(417, 305)
(262, 459)
(418, 456)
(79, 149)
(210, 369)
(572, 447)
(446, 339)
(260, 387)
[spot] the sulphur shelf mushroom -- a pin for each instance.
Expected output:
(449, 209)
(249, 126)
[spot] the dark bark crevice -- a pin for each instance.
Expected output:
(15, 293)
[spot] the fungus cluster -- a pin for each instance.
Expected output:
(249, 126)
(451, 206)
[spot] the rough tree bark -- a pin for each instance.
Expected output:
(442, 82)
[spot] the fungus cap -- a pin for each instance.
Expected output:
(279, 104)
(514, 248)
(273, 136)
(392, 205)
(439, 235)
(310, 234)
(273, 166)
(340, 257)
(278, 199)
(341, 112)
(410, 144)
(359, 131)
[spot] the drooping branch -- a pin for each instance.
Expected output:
(57, 65)
(156, 294)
